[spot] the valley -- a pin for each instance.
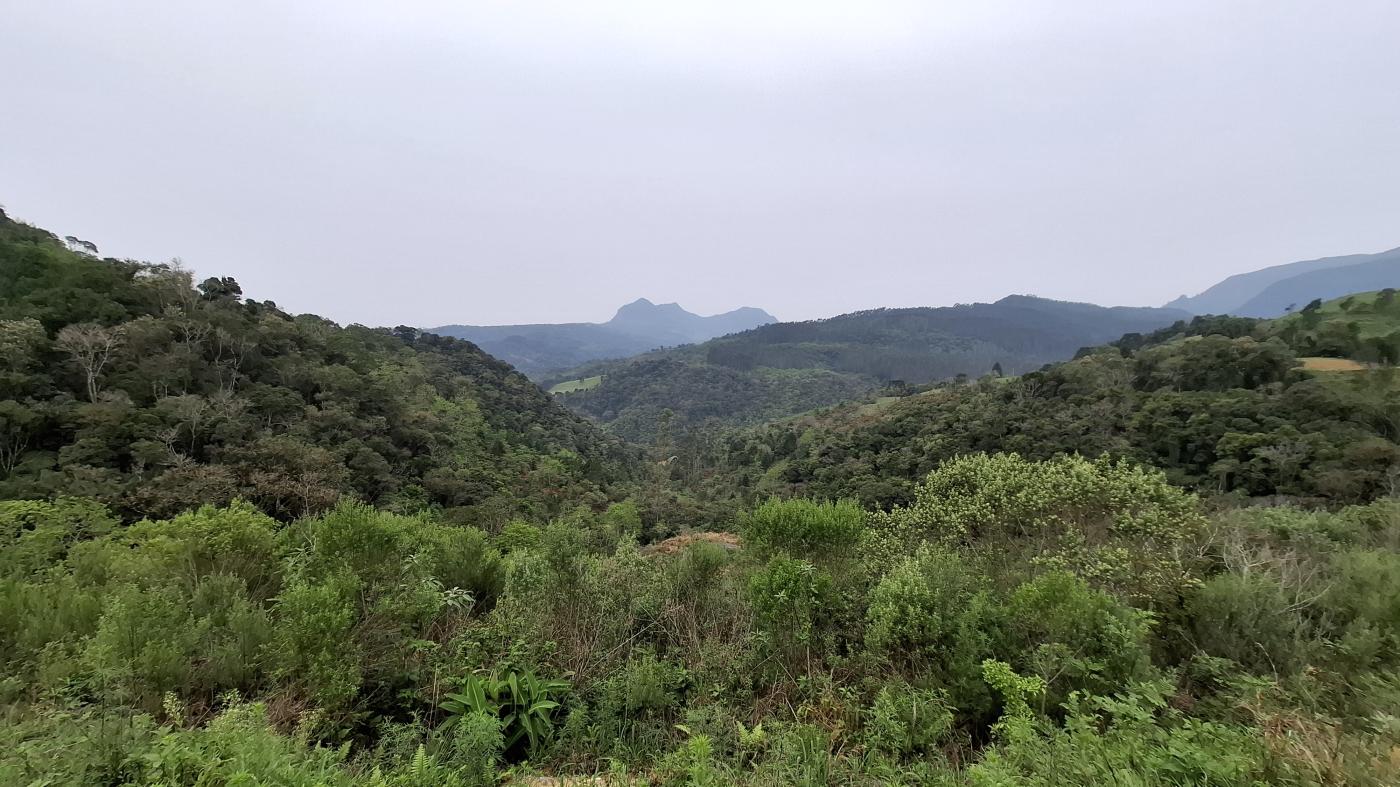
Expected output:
(974, 545)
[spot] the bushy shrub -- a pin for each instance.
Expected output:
(313, 646)
(905, 721)
(1362, 605)
(792, 600)
(238, 540)
(804, 528)
(1121, 526)
(638, 705)
(934, 615)
(35, 534)
(1074, 637)
(1251, 620)
(1130, 740)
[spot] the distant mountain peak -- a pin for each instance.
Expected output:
(1267, 292)
(642, 308)
(677, 317)
(636, 327)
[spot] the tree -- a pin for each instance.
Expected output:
(17, 426)
(222, 288)
(92, 347)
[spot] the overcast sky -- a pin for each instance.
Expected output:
(484, 162)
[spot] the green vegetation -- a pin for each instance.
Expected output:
(243, 548)
(1223, 405)
(125, 383)
(1069, 617)
(582, 384)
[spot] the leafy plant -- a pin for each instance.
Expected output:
(524, 703)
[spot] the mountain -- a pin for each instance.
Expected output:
(127, 383)
(781, 369)
(637, 327)
(1380, 272)
(1270, 291)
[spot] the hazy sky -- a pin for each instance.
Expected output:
(466, 161)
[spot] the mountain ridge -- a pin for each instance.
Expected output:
(536, 349)
(784, 368)
(1244, 294)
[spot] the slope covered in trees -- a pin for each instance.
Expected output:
(1222, 404)
(786, 368)
(126, 383)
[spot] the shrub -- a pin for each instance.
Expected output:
(1121, 526)
(906, 722)
(1074, 637)
(35, 534)
(804, 528)
(1133, 739)
(1362, 605)
(791, 599)
(312, 646)
(1250, 620)
(934, 615)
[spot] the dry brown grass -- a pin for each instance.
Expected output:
(1332, 365)
(678, 543)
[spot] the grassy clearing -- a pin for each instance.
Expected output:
(1332, 365)
(582, 384)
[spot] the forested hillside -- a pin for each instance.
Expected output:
(128, 384)
(239, 547)
(787, 368)
(1223, 404)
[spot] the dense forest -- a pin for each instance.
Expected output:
(1223, 405)
(242, 547)
(126, 383)
(787, 368)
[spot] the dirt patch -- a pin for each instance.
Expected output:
(675, 544)
(1332, 364)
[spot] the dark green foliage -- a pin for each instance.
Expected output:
(1073, 637)
(932, 616)
(1217, 403)
(123, 382)
(1250, 620)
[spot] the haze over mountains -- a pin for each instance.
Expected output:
(1270, 292)
(636, 327)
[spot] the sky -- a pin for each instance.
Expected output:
(425, 162)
